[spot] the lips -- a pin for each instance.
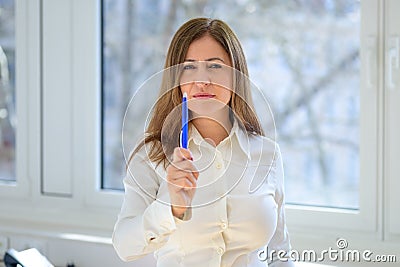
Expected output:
(203, 96)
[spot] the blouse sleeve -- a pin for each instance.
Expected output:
(144, 224)
(280, 240)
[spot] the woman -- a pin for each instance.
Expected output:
(194, 207)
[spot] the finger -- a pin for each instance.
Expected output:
(188, 166)
(180, 166)
(177, 172)
(192, 176)
(181, 154)
(183, 175)
(185, 165)
(183, 183)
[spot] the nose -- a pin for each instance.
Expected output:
(202, 84)
(202, 78)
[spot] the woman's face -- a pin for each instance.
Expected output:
(206, 76)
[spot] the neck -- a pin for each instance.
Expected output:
(215, 127)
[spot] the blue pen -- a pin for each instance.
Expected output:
(185, 118)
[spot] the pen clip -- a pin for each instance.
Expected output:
(180, 139)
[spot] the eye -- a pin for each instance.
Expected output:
(189, 67)
(215, 66)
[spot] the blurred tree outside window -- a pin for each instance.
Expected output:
(303, 54)
(7, 91)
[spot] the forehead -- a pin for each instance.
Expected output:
(207, 47)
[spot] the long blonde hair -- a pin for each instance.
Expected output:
(241, 102)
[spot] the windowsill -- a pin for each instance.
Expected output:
(52, 232)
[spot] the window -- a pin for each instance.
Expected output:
(8, 119)
(304, 56)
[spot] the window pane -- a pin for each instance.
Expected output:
(7, 90)
(304, 55)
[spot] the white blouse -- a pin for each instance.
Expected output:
(237, 210)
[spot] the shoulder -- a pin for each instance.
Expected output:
(141, 170)
(265, 149)
(140, 155)
(266, 161)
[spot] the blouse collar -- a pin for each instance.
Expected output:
(236, 133)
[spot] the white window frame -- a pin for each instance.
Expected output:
(26, 103)
(78, 169)
(391, 166)
(58, 56)
(362, 220)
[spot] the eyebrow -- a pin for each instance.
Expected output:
(209, 59)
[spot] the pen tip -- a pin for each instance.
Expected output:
(185, 94)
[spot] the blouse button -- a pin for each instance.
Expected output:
(150, 236)
(220, 251)
(218, 165)
(224, 225)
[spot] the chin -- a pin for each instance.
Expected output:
(206, 107)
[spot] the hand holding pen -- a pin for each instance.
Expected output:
(181, 173)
